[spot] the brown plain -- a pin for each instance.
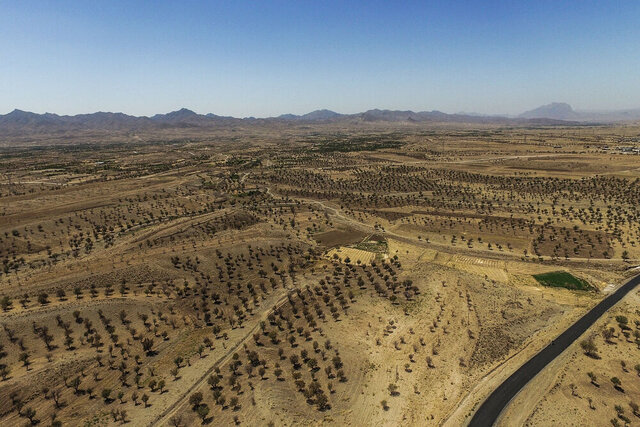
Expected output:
(168, 281)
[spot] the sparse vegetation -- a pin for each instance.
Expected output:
(299, 265)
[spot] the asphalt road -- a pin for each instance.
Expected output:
(491, 408)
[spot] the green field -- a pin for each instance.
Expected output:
(562, 279)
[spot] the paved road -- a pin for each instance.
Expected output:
(488, 413)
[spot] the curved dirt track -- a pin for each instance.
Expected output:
(493, 406)
(164, 417)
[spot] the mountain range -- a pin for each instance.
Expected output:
(564, 111)
(20, 123)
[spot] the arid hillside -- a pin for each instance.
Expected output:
(335, 273)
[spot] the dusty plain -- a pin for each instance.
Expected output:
(316, 275)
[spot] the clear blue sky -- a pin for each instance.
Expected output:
(264, 58)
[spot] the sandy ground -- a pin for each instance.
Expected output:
(563, 390)
(204, 241)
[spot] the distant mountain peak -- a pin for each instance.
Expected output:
(27, 118)
(555, 110)
(288, 116)
(18, 113)
(321, 115)
(316, 115)
(177, 114)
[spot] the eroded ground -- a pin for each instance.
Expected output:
(346, 277)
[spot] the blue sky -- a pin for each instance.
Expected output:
(265, 58)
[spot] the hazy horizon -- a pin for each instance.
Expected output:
(272, 58)
(514, 114)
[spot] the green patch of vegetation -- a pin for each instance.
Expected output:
(562, 279)
(372, 246)
(352, 144)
